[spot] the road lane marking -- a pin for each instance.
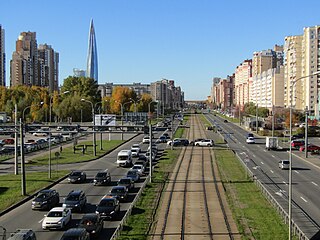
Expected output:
(303, 199)
(284, 182)
(273, 156)
(271, 171)
(314, 183)
(296, 171)
(262, 163)
(265, 150)
(253, 155)
(41, 220)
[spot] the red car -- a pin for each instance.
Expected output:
(297, 143)
(8, 141)
(310, 148)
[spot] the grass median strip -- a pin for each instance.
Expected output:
(71, 155)
(255, 216)
(139, 223)
(10, 186)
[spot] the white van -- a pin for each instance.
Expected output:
(124, 158)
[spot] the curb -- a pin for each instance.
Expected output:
(60, 179)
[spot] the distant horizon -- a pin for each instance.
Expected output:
(188, 41)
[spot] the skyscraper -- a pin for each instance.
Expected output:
(2, 59)
(92, 60)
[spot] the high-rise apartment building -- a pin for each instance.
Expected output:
(24, 63)
(242, 83)
(139, 88)
(302, 60)
(33, 66)
(222, 92)
(48, 61)
(92, 58)
(2, 59)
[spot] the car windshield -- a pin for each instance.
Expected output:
(135, 146)
(132, 173)
(286, 162)
(106, 203)
(117, 190)
(54, 214)
(76, 174)
(123, 157)
(124, 181)
(42, 195)
(88, 221)
(136, 167)
(101, 175)
(71, 238)
(73, 197)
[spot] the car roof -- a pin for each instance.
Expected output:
(75, 192)
(90, 216)
(74, 231)
(47, 190)
(57, 209)
(118, 187)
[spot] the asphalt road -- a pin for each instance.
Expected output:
(24, 217)
(264, 165)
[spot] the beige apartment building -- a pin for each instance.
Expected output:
(302, 60)
(242, 83)
(2, 58)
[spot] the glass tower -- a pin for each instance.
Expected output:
(92, 60)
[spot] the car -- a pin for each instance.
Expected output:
(134, 175)
(92, 222)
(127, 182)
(310, 148)
(136, 146)
(250, 135)
(102, 178)
(141, 162)
(24, 234)
(297, 136)
(45, 200)
(284, 164)
(57, 218)
(146, 139)
(134, 152)
(250, 140)
(41, 132)
(76, 200)
(138, 168)
(76, 234)
(108, 208)
(153, 156)
(119, 192)
(225, 120)
(204, 143)
(210, 128)
(162, 139)
(178, 142)
(77, 177)
(196, 140)
(297, 143)
(8, 141)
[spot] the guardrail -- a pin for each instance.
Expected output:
(128, 213)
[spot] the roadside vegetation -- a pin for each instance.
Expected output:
(10, 186)
(68, 155)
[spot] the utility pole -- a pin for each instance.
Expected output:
(23, 170)
(16, 152)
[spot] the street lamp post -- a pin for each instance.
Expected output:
(95, 106)
(257, 118)
(290, 153)
(93, 119)
(306, 134)
(272, 120)
(150, 144)
(121, 105)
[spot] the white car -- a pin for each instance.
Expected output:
(204, 143)
(284, 164)
(57, 218)
(138, 168)
(135, 150)
(146, 139)
(250, 140)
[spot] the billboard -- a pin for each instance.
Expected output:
(105, 120)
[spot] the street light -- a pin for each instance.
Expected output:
(257, 118)
(95, 106)
(150, 144)
(290, 151)
(93, 119)
(50, 107)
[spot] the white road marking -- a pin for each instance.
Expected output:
(296, 171)
(303, 199)
(271, 171)
(41, 220)
(265, 150)
(262, 163)
(253, 155)
(273, 156)
(284, 182)
(314, 183)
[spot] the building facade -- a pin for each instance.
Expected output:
(79, 72)
(2, 58)
(139, 88)
(92, 58)
(242, 83)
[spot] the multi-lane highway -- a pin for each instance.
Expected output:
(23, 217)
(264, 165)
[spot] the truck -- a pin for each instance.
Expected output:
(124, 158)
(272, 143)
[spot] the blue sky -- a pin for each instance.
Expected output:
(189, 41)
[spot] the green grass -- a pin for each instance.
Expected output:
(139, 223)
(255, 216)
(69, 156)
(10, 186)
